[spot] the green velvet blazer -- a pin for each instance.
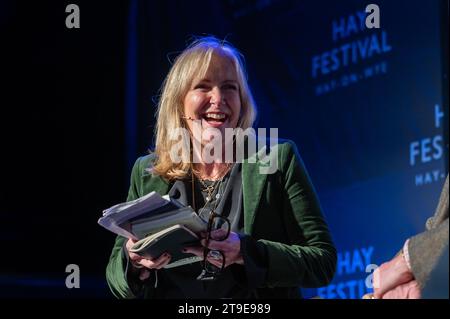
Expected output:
(283, 221)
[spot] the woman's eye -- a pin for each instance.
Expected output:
(230, 87)
(201, 87)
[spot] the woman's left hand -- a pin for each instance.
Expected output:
(230, 247)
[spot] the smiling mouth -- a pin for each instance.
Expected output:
(215, 117)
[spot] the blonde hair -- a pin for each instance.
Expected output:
(190, 65)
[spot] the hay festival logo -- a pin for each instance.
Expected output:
(357, 39)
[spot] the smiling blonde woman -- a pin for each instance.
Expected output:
(277, 239)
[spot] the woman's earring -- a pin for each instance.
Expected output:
(187, 117)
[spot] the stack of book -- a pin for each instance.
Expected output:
(159, 224)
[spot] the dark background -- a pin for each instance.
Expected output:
(63, 143)
(78, 108)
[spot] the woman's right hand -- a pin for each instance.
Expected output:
(144, 263)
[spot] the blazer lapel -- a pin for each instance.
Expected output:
(252, 187)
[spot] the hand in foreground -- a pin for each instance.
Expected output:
(390, 275)
(410, 290)
(144, 264)
(230, 247)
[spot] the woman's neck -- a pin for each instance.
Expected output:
(212, 171)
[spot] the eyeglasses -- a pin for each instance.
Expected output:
(215, 222)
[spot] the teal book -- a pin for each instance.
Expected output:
(170, 240)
